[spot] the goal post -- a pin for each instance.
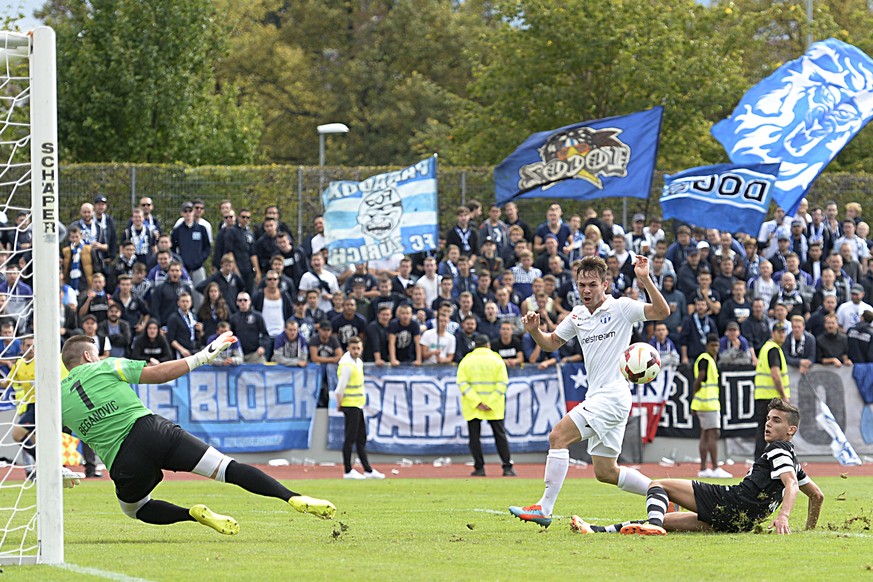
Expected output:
(31, 523)
(46, 285)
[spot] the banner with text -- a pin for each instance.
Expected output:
(241, 409)
(417, 411)
(389, 214)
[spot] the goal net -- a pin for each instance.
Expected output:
(31, 504)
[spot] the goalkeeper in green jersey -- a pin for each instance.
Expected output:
(99, 405)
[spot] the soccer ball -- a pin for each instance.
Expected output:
(640, 363)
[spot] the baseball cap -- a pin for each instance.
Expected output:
(89, 316)
(100, 198)
(796, 222)
(783, 236)
(780, 326)
(733, 325)
(693, 251)
(488, 239)
(187, 205)
(550, 235)
(857, 288)
(703, 245)
(639, 217)
(480, 340)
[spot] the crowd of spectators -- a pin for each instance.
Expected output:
(156, 292)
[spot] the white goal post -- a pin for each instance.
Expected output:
(32, 185)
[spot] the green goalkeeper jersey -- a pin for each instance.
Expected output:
(99, 405)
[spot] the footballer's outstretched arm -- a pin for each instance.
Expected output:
(816, 498)
(547, 341)
(168, 371)
(780, 524)
(658, 309)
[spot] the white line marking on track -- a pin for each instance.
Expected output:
(98, 573)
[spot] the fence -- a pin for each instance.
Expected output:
(295, 189)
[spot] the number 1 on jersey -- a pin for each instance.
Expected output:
(81, 392)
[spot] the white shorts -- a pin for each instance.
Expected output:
(604, 419)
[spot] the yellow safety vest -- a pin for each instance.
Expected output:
(482, 378)
(706, 399)
(765, 388)
(354, 394)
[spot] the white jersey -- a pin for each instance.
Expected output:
(604, 336)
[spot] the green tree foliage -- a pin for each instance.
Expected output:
(136, 83)
(552, 64)
(386, 68)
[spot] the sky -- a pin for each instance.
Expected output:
(26, 7)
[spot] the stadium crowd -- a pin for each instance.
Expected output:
(157, 292)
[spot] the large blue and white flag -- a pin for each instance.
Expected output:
(725, 196)
(387, 214)
(802, 115)
(612, 157)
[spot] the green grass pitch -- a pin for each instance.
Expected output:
(444, 529)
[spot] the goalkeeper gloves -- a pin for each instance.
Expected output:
(211, 351)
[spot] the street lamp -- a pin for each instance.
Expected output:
(323, 130)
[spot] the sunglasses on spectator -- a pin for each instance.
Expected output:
(246, 216)
(272, 278)
(242, 300)
(146, 204)
(230, 217)
(198, 208)
(187, 210)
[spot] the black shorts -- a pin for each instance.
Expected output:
(153, 444)
(27, 419)
(723, 510)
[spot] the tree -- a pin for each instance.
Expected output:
(386, 68)
(136, 84)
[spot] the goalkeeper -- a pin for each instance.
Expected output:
(100, 407)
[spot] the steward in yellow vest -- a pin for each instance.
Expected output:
(350, 401)
(771, 380)
(707, 407)
(482, 380)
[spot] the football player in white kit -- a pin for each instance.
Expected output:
(602, 325)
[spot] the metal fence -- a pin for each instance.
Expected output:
(296, 190)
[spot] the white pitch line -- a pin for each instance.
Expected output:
(98, 573)
(841, 534)
(495, 512)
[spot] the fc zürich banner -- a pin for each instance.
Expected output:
(382, 216)
(417, 411)
(727, 197)
(613, 157)
(802, 115)
(241, 409)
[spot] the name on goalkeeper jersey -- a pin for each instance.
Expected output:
(597, 338)
(96, 416)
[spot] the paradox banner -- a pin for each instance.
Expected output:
(417, 411)
(241, 409)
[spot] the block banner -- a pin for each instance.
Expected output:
(834, 386)
(382, 216)
(602, 158)
(801, 116)
(417, 411)
(241, 409)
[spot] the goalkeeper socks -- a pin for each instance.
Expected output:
(656, 505)
(159, 512)
(633, 481)
(256, 481)
(557, 463)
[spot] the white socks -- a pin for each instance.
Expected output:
(557, 463)
(632, 481)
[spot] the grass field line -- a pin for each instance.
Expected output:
(841, 534)
(98, 573)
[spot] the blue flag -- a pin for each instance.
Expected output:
(382, 216)
(802, 115)
(613, 157)
(727, 197)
